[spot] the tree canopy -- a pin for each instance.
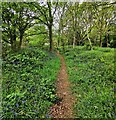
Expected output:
(71, 22)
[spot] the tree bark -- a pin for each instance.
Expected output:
(21, 39)
(63, 44)
(50, 24)
(74, 41)
(90, 43)
(100, 39)
(58, 38)
(50, 37)
(107, 39)
(13, 42)
(58, 42)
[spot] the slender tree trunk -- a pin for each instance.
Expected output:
(21, 39)
(12, 46)
(91, 47)
(13, 43)
(13, 40)
(107, 39)
(74, 41)
(50, 37)
(50, 24)
(100, 39)
(63, 45)
(90, 43)
(58, 38)
(68, 41)
(58, 42)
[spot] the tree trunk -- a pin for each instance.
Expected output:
(58, 38)
(50, 24)
(50, 37)
(74, 41)
(90, 44)
(100, 39)
(91, 47)
(63, 45)
(21, 39)
(58, 42)
(106, 39)
(13, 42)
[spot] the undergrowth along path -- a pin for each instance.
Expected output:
(64, 107)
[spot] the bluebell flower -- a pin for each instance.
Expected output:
(23, 101)
(17, 105)
(114, 89)
(8, 106)
(15, 113)
(35, 111)
(4, 110)
(47, 116)
(12, 110)
(41, 90)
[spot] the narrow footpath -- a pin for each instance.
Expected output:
(64, 108)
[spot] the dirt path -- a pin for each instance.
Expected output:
(64, 108)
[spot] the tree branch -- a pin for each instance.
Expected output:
(36, 34)
(55, 8)
(43, 13)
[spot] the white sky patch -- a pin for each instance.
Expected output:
(80, 1)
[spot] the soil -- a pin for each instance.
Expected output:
(64, 107)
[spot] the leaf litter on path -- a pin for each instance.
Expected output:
(64, 107)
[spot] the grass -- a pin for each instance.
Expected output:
(92, 76)
(28, 83)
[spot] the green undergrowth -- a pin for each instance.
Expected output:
(92, 76)
(28, 83)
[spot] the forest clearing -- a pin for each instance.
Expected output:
(58, 60)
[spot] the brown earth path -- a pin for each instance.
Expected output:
(64, 108)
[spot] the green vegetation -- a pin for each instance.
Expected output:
(92, 77)
(31, 32)
(28, 83)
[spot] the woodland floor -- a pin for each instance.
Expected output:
(64, 108)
